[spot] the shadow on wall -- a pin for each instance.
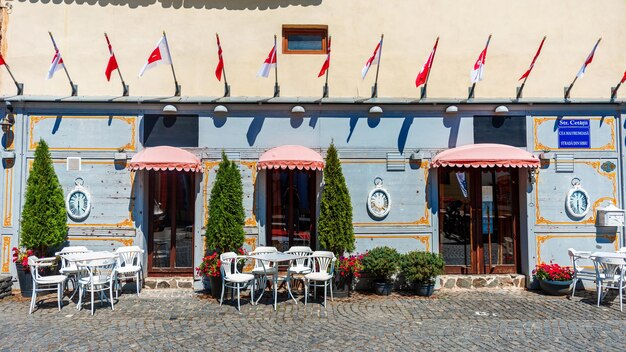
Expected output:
(190, 4)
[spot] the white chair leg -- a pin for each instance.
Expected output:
(137, 282)
(222, 294)
(325, 287)
(331, 291)
(252, 292)
(59, 296)
(621, 304)
(81, 292)
(111, 296)
(33, 299)
(238, 297)
(91, 300)
(574, 287)
(599, 290)
(306, 291)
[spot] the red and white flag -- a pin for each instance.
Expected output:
(220, 64)
(479, 65)
(532, 64)
(268, 64)
(326, 64)
(112, 65)
(622, 81)
(422, 76)
(373, 60)
(2, 62)
(57, 64)
(160, 55)
(589, 59)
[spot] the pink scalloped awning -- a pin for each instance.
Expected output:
(165, 158)
(486, 155)
(291, 157)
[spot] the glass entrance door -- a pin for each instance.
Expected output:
(478, 218)
(291, 209)
(171, 213)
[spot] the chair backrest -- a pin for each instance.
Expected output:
(98, 271)
(576, 258)
(228, 266)
(71, 249)
(128, 256)
(622, 250)
(609, 266)
(263, 249)
(303, 251)
(323, 262)
(36, 263)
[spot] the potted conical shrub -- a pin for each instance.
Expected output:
(381, 263)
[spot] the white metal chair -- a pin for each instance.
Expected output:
(129, 265)
(322, 269)
(580, 272)
(96, 276)
(302, 266)
(69, 268)
(610, 275)
(233, 279)
(44, 283)
(262, 269)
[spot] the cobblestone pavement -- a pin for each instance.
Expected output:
(182, 320)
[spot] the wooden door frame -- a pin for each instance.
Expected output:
(289, 224)
(477, 265)
(171, 270)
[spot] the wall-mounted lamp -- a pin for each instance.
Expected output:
(502, 109)
(546, 156)
(7, 122)
(170, 109)
(298, 110)
(376, 110)
(220, 109)
(452, 109)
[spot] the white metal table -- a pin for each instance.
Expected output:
(609, 255)
(277, 257)
(84, 257)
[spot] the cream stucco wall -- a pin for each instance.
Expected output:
(246, 28)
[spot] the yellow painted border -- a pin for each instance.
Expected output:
(8, 197)
(540, 220)
(541, 239)
(537, 121)
(6, 253)
(425, 239)
(131, 120)
(123, 240)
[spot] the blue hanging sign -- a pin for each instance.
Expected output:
(574, 134)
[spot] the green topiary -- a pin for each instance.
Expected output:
(381, 262)
(224, 229)
(336, 232)
(421, 267)
(44, 219)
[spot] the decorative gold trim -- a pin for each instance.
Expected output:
(124, 241)
(8, 197)
(540, 220)
(537, 121)
(251, 221)
(424, 220)
(425, 239)
(131, 120)
(541, 239)
(6, 253)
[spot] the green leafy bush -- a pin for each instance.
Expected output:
(381, 262)
(44, 218)
(224, 229)
(421, 267)
(336, 232)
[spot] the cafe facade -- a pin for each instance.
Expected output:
(495, 186)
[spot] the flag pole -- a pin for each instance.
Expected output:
(375, 87)
(471, 92)
(569, 89)
(19, 86)
(167, 45)
(74, 86)
(614, 91)
(521, 88)
(276, 86)
(125, 90)
(423, 93)
(226, 86)
(325, 90)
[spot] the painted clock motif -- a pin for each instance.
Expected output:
(78, 202)
(378, 200)
(577, 201)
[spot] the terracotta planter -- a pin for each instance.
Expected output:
(555, 288)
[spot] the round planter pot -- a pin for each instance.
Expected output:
(216, 286)
(424, 289)
(25, 280)
(343, 285)
(555, 288)
(383, 288)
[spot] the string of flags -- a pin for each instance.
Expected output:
(161, 55)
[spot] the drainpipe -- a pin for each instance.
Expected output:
(620, 162)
